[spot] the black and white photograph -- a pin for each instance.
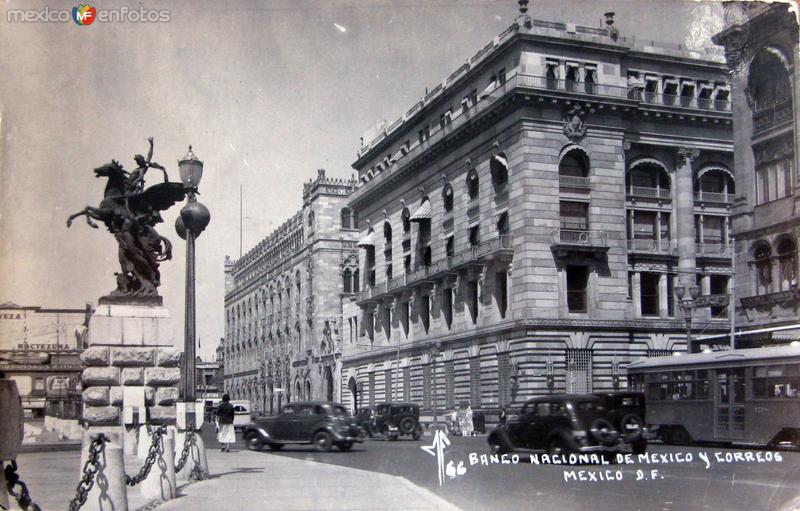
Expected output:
(317, 255)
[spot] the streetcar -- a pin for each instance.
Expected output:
(743, 396)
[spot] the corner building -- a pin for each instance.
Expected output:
(761, 47)
(523, 226)
(283, 303)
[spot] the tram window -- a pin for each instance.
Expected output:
(776, 388)
(702, 388)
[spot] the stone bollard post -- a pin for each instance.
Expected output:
(108, 491)
(11, 433)
(131, 438)
(196, 461)
(160, 482)
(144, 443)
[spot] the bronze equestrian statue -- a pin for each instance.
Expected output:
(130, 212)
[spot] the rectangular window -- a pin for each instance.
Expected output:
(501, 75)
(644, 225)
(719, 286)
(649, 293)
(502, 293)
(404, 313)
(425, 311)
(577, 280)
(579, 371)
(472, 300)
(450, 247)
(670, 295)
(574, 215)
(447, 306)
(474, 236)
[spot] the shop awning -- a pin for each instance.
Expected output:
(423, 213)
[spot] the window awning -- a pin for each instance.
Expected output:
(501, 160)
(368, 240)
(423, 213)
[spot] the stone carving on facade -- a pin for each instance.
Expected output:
(686, 155)
(774, 151)
(575, 124)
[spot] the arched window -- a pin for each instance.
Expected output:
(498, 165)
(573, 169)
(473, 189)
(447, 198)
(715, 183)
(406, 218)
(648, 179)
(347, 218)
(356, 281)
(347, 280)
(787, 264)
(310, 220)
(762, 254)
(387, 250)
(768, 82)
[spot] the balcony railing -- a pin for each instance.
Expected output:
(484, 251)
(522, 81)
(589, 238)
(773, 114)
(782, 298)
(655, 98)
(650, 246)
(714, 249)
(574, 182)
(719, 198)
(649, 193)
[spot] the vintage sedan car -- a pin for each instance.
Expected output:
(560, 424)
(320, 423)
(626, 412)
(365, 418)
(396, 419)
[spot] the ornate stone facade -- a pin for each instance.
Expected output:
(283, 303)
(761, 46)
(523, 226)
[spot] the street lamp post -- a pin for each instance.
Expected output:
(687, 295)
(190, 224)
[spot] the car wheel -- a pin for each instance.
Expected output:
(639, 446)
(276, 447)
(498, 446)
(407, 425)
(322, 441)
(346, 446)
(386, 435)
(556, 447)
(417, 434)
(254, 442)
(631, 426)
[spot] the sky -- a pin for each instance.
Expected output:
(265, 92)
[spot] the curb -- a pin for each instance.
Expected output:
(443, 504)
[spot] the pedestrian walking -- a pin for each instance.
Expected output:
(469, 425)
(503, 416)
(226, 434)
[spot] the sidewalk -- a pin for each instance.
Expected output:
(244, 480)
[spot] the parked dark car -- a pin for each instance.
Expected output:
(626, 411)
(320, 423)
(365, 418)
(559, 424)
(396, 419)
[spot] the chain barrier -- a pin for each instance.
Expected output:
(189, 442)
(155, 445)
(23, 496)
(89, 470)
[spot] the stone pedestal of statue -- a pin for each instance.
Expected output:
(130, 345)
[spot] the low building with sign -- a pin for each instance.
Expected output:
(40, 350)
(283, 303)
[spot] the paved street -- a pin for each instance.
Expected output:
(678, 485)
